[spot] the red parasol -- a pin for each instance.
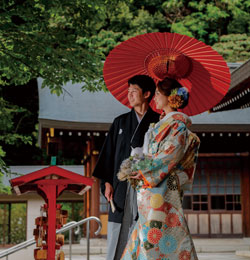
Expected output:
(194, 64)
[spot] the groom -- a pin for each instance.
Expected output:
(126, 132)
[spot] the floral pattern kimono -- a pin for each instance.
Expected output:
(167, 169)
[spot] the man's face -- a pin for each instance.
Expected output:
(135, 95)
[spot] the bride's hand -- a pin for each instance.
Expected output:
(136, 175)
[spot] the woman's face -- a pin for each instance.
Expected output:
(161, 101)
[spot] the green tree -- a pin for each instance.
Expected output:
(208, 20)
(48, 39)
(205, 20)
(65, 40)
(12, 223)
(234, 47)
(9, 133)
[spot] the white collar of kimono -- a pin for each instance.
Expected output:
(137, 150)
(138, 118)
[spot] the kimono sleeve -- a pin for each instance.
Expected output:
(104, 169)
(171, 150)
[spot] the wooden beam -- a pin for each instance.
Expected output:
(246, 154)
(70, 125)
(95, 191)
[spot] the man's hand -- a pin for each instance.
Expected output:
(108, 191)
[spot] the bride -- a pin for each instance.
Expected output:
(160, 175)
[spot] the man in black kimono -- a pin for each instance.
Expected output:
(126, 132)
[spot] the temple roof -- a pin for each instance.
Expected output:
(96, 110)
(238, 96)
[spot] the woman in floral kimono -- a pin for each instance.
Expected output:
(161, 175)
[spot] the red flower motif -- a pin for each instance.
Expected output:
(172, 220)
(174, 126)
(179, 117)
(181, 139)
(184, 255)
(171, 165)
(162, 134)
(138, 251)
(163, 175)
(165, 207)
(170, 149)
(154, 235)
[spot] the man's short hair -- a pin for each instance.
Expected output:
(145, 82)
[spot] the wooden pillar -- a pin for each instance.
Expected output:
(92, 198)
(87, 171)
(95, 196)
(245, 195)
(95, 204)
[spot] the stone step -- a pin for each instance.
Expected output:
(221, 245)
(243, 253)
(99, 246)
(76, 250)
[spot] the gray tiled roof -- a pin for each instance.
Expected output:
(237, 116)
(100, 107)
(97, 107)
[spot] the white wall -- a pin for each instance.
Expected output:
(33, 211)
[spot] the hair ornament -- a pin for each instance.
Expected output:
(178, 98)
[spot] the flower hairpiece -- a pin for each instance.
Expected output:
(178, 98)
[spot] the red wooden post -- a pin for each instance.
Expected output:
(50, 191)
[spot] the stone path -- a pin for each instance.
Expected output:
(201, 256)
(218, 256)
(207, 249)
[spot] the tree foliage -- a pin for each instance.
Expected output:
(13, 223)
(208, 20)
(234, 47)
(68, 40)
(205, 20)
(9, 134)
(50, 39)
